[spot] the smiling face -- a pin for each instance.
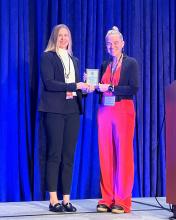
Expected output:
(114, 44)
(63, 38)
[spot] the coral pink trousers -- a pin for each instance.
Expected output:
(115, 136)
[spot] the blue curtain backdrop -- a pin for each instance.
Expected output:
(149, 31)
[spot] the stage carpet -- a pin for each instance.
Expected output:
(142, 208)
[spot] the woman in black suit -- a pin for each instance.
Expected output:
(60, 103)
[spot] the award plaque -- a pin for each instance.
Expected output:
(92, 76)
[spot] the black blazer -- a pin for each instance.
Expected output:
(129, 78)
(54, 88)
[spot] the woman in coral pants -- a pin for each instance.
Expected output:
(116, 123)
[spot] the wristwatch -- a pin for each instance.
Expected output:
(111, 88)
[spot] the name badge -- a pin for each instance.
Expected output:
(108, 99)
(69, 95)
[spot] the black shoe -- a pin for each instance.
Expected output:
(103, 208)
(117, 209)
(56, 208)
(69, 207)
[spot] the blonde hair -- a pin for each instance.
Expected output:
(114, 30)
(53, 39)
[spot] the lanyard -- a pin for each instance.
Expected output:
(114, 69)
(65, 72)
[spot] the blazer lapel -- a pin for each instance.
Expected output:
(60, 67)
(76, 69)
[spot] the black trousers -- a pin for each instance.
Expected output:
(62, 133)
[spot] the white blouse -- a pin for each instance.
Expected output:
(69, 70)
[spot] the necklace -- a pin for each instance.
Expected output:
(65, 71)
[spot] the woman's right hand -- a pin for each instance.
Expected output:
(102, 87)
(82, 86)
(85, 87)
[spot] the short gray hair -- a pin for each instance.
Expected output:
(114, 30)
